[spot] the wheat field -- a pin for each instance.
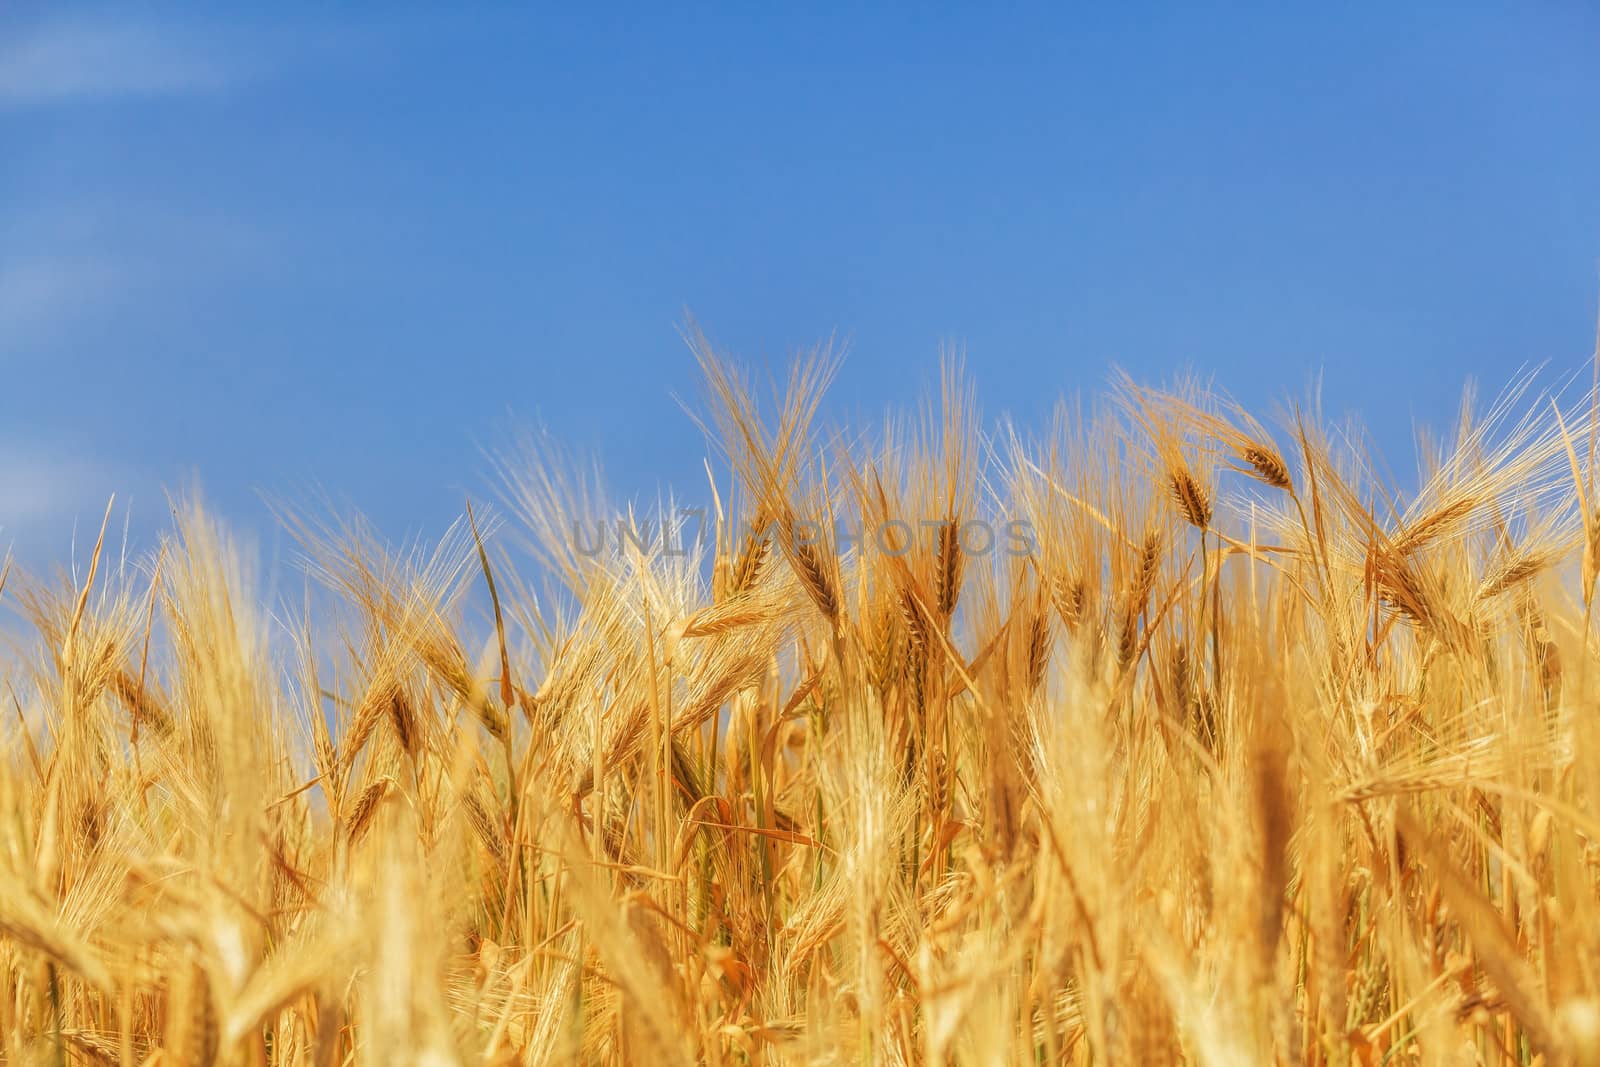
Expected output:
(1157, 736)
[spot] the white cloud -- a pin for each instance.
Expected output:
(52, 497)
(38, 485)
(81, 59)
(80, 261)
(38, 294)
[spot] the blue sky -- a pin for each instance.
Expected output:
(309, 246)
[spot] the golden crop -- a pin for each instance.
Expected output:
(1238, 756)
